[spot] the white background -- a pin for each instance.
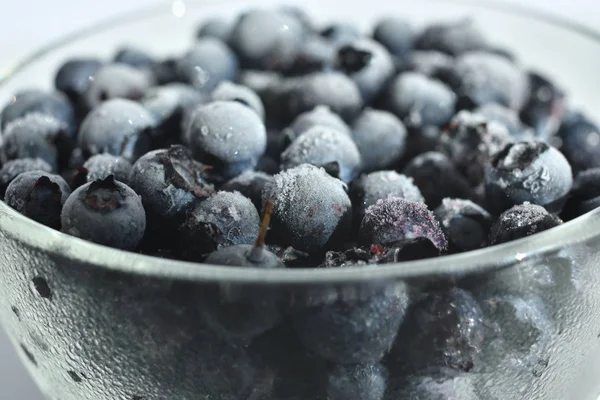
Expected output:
(27, 24)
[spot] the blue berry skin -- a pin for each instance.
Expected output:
(380, 137)
(394, 219)
(75, 76)
(105, 212)
(119, 127)
(300, 14)
(33, 136)
(357, 382)
(267, 165)
(453, 38)
(319, 116)
(397, 35)
(507, 117)
(341, 33)
(223, 219)
(584, 196)
(165, 71)
(38, 195)
(368, 64)
(521, 221)
(434, 387)
(420, 100)
(580, 141)
(465, 224)
(370, 188)
(544, 108)
(115, 80)
(267, 39)
(312, 210)
(316, 54)
(228, 136)
(100, 166)
(209, 62)
(430, 63)
(531, 172)
(215, 27)
(250, 184)
(134, 57)
(437, 178)
(11, 169)
(327, 148)
(26, 102)
(229, 91)
(354, 330)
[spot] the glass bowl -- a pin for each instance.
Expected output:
(92, 322)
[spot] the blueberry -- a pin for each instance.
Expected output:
(324, 147)
(207, 63)
(165, 71)
(54, 104)
(420, 100)
(353, 331)
(319, 116)
(119, 127)
(312, 209)
(450, 387)
(397, 35)
(395, 219)
(267, 165)
(100, 166)
(454, 38)
(75, 76)
(250, 184)
(267, 39)
(38, 195)
(498, 80)
(316, 54)
(11, 169)
(228, 91)
(436, 177)
(580, 141)
(521, 221)
(380, 137)
(430, 63)
(106, 212)
(584, 196)
(528, 171)
(134, 57)
(300, 14)
(224, 219)
(33, 136)
(341, 33)
(368, 189)
(356, 382)
(228, 136)
(216, 27)
(113, 81)
(465, 224)
(259, 81)
(507, 117)
(368, 64)
(545, 106)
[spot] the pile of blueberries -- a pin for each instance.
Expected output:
(357, 149)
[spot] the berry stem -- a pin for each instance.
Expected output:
(256, 253)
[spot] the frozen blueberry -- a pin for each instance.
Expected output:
(250, 184)
(452, 38)
(380, 137)
(584, 196)
(119, 127)
(545, 106)
(397, 35)
(316, 54)
(446, 387)
(395, 219)
(341, 33)
(267, 39)
(259, 81)
(216, 27)
(228, 91)
(356, 382)
(208, 63)
(521, 221)
(300, 14)
(368, 189)
(324, 147)
(354, 330)
(484, 78)
(368, 64)
(54, 104)
(106, 212)
(115, 80)
(38, 195)
(507, 117)
(465, 224)
(228, 136)
(134, 57)
(75, 76)
(436, 177)
(420, 100)
(268, 165)
(165, 71)
(100, 166)
(528, 171)
(312, 209)
(580, 141)
(319, 116)
(11, 169)
(431, 63)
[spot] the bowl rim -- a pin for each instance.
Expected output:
(26, 231)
